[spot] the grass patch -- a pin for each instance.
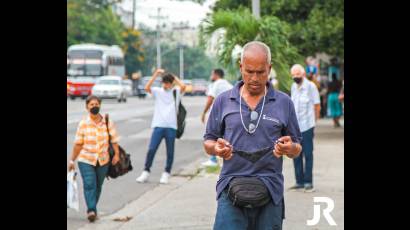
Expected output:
(213, 169)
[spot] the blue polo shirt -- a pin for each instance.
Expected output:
(278, 119)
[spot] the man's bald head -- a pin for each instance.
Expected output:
(297, 70)
(255, 67)
(256, 46)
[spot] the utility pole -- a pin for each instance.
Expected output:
(180, 28)
(158, 17)
(133, 13)
(256, 9)
(181, 61)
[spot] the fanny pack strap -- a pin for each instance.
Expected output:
(254, 156)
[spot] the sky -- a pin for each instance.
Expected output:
(175, 11)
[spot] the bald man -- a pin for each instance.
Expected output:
(251, 126)
(306, 99)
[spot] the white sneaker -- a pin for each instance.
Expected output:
(144, 177)
(209, 163)
(164, 178)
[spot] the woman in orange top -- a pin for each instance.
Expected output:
(91, 149)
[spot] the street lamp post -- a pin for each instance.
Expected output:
(181, 61)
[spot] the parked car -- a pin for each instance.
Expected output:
(143, 82)
(127, 83)
(188, 87)
(199, 87)
(110, 87)
(79, 86)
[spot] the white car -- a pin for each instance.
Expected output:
(110, 87)
(127, 83)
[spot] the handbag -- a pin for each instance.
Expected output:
(248, 192)
(123, 166)
(181, 115)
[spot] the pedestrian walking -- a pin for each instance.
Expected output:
(243, 126)
(91, 150)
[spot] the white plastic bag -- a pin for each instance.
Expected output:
(72, 191)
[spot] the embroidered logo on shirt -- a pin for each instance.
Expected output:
(264, 117)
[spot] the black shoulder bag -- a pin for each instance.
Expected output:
(181, 115)
(124, 164)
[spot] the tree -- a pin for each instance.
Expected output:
(89, 22)
(241, 27)
(196, 63)
(93, 21)
(316, 25)
(134, 53)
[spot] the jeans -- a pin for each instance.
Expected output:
(304, 174)
(93, 179)
(230, 217)
(169, 134)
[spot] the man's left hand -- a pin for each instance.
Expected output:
(283, 147)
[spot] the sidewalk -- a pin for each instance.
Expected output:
(188, 202)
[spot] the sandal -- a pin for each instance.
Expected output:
(91, 216)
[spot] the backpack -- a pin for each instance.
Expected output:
(181, 115)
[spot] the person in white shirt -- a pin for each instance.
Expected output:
(218, 86)
(164, 121)
(305, 97)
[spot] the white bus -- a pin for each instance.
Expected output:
(95, 60)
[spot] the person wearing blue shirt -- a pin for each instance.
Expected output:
(252, 126)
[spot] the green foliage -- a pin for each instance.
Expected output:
(132, 47)
(241, 27)
(316, 25)
(92, 23)
(196, 63)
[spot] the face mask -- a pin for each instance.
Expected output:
(95, 110)
(298, 80)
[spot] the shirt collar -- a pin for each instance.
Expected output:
(89, 120)
(304, 83)
(235, 93)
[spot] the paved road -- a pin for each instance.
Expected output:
(133, 121)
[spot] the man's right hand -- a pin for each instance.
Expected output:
(223, 149)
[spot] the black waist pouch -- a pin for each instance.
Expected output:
(248, 192)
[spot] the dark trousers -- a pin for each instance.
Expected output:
(303, 172)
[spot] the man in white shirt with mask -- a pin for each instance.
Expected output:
(306, 99)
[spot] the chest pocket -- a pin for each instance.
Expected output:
(304, 102)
